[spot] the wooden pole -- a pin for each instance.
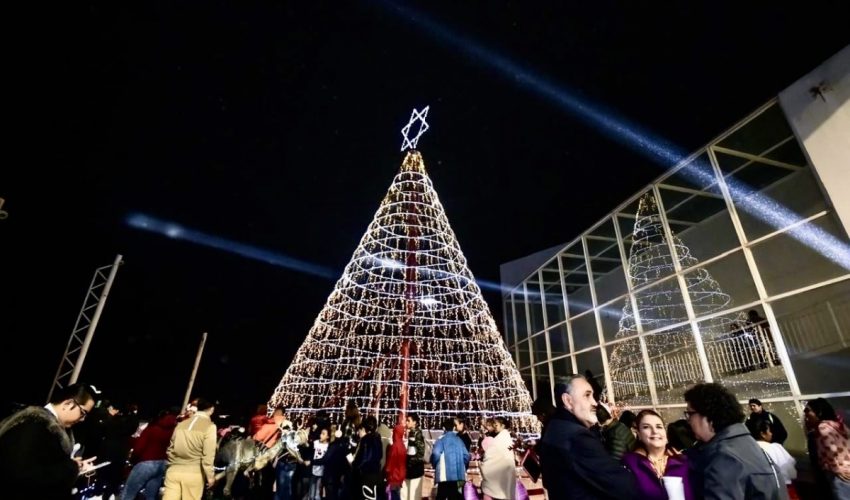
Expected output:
(194, 371)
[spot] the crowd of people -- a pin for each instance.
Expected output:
(713, 452)
(586, 450)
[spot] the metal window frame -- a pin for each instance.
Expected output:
(683, 287)
(755, 274)
(606, 371)
(632, 297)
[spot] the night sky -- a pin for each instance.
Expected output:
(276, 125)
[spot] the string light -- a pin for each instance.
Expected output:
(407, 281)
(734, 346)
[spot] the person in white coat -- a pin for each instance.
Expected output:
(498, 467)
(780, 456)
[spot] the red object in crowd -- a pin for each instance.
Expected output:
(154, 440)
(396, 467)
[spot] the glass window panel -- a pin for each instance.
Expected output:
(761, 134)
(563, 367)
(510, 338)
(698, 175)
(721, 285)
(554, 309)
(648, 251)
(626, 220)
(552, 296)
(519, 311)
(786, 264)
(558, 340)
(591, 360)
(789, 152)
(584, 332)
(628, 373)
(539, 343)
(815, 326)
(610, 315)
(606, 263)
(704, 226)
(796, 193)
(611, 285)
(659, 306)
(524, 357)
(535, 304)
(542, 374)
(576, 279)
(579, 299)
(742, 356)
(674, 362)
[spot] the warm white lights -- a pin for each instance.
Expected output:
(407, 284)
(733, 345)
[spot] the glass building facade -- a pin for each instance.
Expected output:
(728, 268)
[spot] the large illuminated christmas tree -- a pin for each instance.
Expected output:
(406, 328)
(733, 346)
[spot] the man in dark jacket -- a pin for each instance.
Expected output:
(758, 413)
(35, 448)
(574, 461)
(730, 462)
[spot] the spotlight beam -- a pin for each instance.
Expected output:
(175, 231)
(624, 132)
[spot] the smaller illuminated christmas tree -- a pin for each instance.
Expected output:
(672, 353)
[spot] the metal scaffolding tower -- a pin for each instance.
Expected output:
(69, 368)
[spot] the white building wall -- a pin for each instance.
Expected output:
(817, 107)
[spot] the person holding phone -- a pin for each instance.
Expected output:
(37, 451)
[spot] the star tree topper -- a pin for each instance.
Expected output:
(419, 116)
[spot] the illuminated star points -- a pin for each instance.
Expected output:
(414, 117)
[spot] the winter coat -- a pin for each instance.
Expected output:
(396, 467)
(576, 465)
(35, 453)
(618, 439)
(154, 440)
(449, 458)
(732, 465)
(367, 458)
(498, 468)
(416, 463)
(649, 486)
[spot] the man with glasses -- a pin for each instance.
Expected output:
(729, 463)
(36, 449)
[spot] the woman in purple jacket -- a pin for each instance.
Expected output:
(652, 460)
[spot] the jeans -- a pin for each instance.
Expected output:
(284, 472)
(148, 475)
(316, 488)
(840, 487)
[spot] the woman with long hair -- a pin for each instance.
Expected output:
(654, 464)
(829, 445)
